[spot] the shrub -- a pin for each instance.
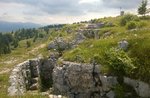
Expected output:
(127, 18)
(118, 62)
(131, 25)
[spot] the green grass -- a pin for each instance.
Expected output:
(138, 51)
(88, 49)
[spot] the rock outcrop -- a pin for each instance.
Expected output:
(81, 81)
(61, 44)
(58, 43)
(79, 38)
(77, 80)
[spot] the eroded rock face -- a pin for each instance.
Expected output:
(81, 81)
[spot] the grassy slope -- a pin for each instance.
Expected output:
(138, 41)
(139, 47)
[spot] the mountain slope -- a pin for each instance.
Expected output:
(12, 26)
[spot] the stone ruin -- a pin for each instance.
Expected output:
(78, 80)
(73, 80)
(30, 75)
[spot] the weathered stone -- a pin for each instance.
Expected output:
(58, 43)
(17, 80)
(108, 82)
(76, 79)
(25, 75)
(141, 88)
(79, 37)
(123, 44)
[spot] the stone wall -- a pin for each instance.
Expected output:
(29, 75)
(74, 80)
(21, 77)
(77, 80)
(17, 79)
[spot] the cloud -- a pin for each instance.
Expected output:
(125, 4)
(32, 10)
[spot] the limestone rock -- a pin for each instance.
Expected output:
(141, 88)
(108, 82)
(123, 44)
(79, 37)
(17, 80)
(58, 43)
(25, 75)
(74, 79)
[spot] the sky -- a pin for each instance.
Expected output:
(62, 11)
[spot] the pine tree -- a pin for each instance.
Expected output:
(142, 8)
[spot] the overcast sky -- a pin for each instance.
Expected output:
(62, 11)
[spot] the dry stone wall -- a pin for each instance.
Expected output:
(74, 80)
(30, 75)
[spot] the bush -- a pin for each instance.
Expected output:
(127, 18)
(131, 25)
(118, 62)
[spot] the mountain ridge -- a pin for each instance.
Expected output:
(13, 26)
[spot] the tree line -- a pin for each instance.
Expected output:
(9, 41)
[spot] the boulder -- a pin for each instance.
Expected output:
(123, 44)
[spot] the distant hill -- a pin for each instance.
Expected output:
(9, 26)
